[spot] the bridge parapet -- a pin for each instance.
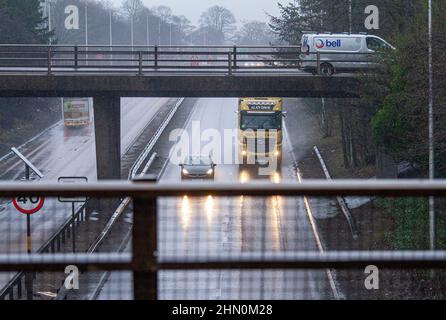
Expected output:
(179, 71)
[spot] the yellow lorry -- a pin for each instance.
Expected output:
(260, 130)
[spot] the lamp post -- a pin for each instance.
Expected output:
(432, 220)
(111, 27)
(148, 31)
(350, 16)
(159, 31)
(86, 32)
(131, 31)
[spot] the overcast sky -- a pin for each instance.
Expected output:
(243, 9)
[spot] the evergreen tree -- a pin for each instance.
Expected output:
(21, 21)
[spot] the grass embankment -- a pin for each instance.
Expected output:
(23, 118)
(411, 224)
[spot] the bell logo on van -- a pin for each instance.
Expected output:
(328, 43)
(333, 44)
(320, 44)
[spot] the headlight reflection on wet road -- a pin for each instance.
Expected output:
(209, 206)
(185, 213)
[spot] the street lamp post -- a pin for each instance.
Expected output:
(50, 27)
(111, 28)
(111, 36)
(432, 221)
(148, 31)
(159, 32)
(86, 32)
(350, 16)
(131, 31)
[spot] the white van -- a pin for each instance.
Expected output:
(340, 52)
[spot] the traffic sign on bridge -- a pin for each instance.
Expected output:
(28, 205)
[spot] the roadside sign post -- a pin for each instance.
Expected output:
(28, 206)
(73, 202)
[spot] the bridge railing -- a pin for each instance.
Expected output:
(143, 59)
(145, 261)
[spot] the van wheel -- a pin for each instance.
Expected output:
(327, 70)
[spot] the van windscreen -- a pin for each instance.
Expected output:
(305, 44)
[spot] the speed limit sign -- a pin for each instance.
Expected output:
(28, 205)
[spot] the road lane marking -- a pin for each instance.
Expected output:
(311, 217)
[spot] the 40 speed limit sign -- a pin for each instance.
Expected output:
(28, 205)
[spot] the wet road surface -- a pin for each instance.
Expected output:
(60, 151)
(229, 226)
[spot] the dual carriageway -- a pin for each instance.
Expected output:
(187, 225)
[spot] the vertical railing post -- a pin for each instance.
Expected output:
(318, 63)
(234, 52)
(49, 60)
(156, 58)
(76, 57)
(229, 63)
(140, 63)
(144, 245)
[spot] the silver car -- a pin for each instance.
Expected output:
(198, 167)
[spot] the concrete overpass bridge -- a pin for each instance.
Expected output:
(109, 73)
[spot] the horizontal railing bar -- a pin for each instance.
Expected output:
(43, 52)
(23, 59)
(413, 188)
(287, 260)
(309, 260)
(57, 262)
(143, 46)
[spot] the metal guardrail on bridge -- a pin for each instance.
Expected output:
(145, 262)
(139, 60)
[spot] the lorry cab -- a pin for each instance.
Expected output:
(260, 122)
(340, 52)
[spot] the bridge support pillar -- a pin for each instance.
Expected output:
(107, 126)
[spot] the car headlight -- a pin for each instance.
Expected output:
(185, 171)
(210, 171)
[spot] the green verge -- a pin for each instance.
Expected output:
(410, 217)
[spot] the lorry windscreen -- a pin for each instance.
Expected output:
(261, 121)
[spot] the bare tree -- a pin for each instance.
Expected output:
(219, 19)
(132, 7)
(163, 12)
(254, 33)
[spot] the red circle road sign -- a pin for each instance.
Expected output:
(28, 205)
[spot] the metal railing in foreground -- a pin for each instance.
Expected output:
(145, 262)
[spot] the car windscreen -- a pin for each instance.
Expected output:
(197, 161)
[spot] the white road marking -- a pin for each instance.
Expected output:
(311, 217)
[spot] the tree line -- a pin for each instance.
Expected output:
(391, 114)
(29, 21)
